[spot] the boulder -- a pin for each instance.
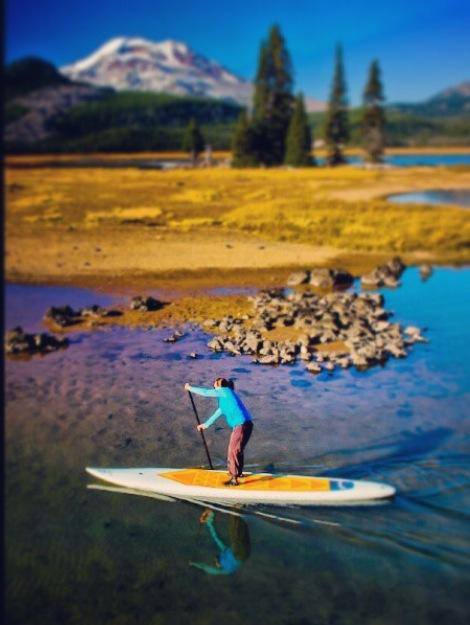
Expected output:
(330, 278)
(63, 316)
(314, 368)
(145, 304)
(19, 342)
(298, 277)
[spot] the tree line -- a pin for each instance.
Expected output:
(276, 131)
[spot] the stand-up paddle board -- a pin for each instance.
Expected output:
(254, 488)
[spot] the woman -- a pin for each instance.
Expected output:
(237, 417)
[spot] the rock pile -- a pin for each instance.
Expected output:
(145, 304)
(337, 329)
(322, 278)
(18, 342)
(385, 275)
(65, 316)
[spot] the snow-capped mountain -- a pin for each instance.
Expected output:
(133, 63)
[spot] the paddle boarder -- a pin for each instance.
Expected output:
(237, 417)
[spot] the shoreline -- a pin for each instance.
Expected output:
(17, 159)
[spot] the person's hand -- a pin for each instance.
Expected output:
(206, 516)
(187, 386)
(201, 427)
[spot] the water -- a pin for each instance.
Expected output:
(459, 197)
(115, 397)
(415, 160)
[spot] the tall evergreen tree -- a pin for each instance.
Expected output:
(272, 103)
(242, 143)
(193, 140)
(299, 137)
(337, 120)
(373, 122)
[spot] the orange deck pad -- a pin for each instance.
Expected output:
(266, 481)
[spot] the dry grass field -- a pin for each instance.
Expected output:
(101, 223)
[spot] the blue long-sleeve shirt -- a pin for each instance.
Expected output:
(230, 405)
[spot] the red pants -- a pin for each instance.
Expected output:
(238, 440)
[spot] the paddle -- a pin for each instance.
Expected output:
(200, 431)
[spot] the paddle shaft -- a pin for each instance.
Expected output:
(200, 431)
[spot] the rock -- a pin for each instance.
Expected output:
(396, 266)
(313, 367)
(193, 355)
(18, 342)
(414, 335)
(384, 275)
(425, 271)
(176, 336)
(63, 316)
(145, 304)
(330, 278)
(215, 344)
(267, 360)
(252, 344)
(298, 277)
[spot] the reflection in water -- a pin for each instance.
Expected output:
(231, 557)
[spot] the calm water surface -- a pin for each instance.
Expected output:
(115, 397)
(459, 197)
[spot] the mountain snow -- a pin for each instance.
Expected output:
(133, 63)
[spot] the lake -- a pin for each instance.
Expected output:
(115, 398)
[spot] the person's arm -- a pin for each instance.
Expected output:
(207, 568)
(205, 392)
(211, 419)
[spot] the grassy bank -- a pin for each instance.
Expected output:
(113, 223)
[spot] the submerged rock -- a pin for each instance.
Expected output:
(19, 342)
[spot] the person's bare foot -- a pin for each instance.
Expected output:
(233, 481)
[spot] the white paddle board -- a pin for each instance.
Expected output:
(254, 488)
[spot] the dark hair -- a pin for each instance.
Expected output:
(224, 382)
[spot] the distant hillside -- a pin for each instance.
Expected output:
(47, 112)
(124, 121)
(28, 74)
(405, 129)
(449, 102)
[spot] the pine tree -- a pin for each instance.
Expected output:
(272, 103)
(337, 121)
(193, 140)
(373, 122)
(242, 143)
(299, 137)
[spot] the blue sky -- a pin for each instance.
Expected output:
(423, 45)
